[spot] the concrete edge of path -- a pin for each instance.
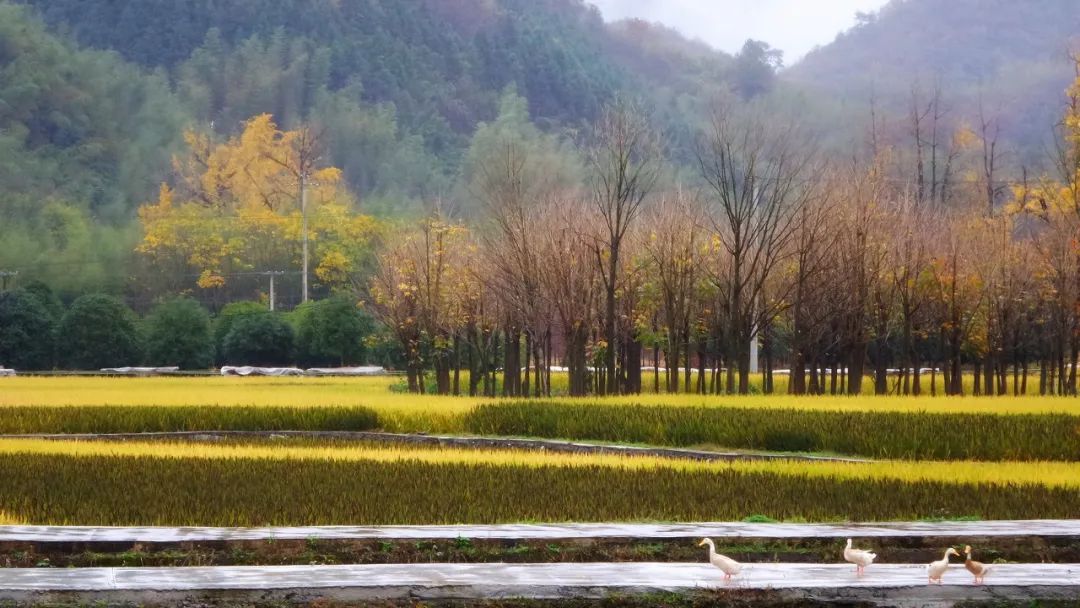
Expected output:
(466, 441)
(1020, 528)
(891, 584)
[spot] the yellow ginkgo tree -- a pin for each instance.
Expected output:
(236, 207)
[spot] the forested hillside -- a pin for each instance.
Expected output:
(1014, 55)
(97, 96)
(83, 134)
(410, 97)
(438, 68)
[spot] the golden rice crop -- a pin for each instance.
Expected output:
(929, 428)
(165, 484)
(143, 419)
(878, 434)
(1050, 474)
(375, 393)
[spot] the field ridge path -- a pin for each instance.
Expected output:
(727, 530)
(466, 441)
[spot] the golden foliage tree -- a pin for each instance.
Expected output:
(235, 207)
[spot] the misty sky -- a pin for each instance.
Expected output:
(794, 26)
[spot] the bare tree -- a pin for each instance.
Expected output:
(989, 132)
(673, 247)
(568, 280)
(756, 177)
(814, 248)
(626, 163)
(509, 189)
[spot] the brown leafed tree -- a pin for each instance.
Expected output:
(625, 163)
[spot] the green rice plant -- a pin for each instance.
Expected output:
(885, 434)
(150, 418)
(102, 489)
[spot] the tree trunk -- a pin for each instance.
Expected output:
(767, 350)
(656, 368)
(881, 377)
(633, 366)
(977, 386)
(797, 385)
(856, 368)
(689, 369)
(457, 365)
(609, 322)
(702, 361)
(512, 362)
(576, 342)
(526, 384)
(410, 372)
(744, 369)
(1043, 365)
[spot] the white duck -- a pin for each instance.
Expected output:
(860, 557)
(726, 565)
(935, 570)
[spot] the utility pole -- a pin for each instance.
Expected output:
(4, 275)
(272, 274)
(304, 233)
(754, 338)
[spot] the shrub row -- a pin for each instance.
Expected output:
(154, 418)
(108, 490)
(896, 435)
(99, 331)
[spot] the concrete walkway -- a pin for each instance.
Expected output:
(66, 534)
(894, 584)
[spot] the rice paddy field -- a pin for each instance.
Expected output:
(989, 458)
(241, 484)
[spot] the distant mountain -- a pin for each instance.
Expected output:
(1013, 53)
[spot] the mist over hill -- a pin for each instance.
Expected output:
(1012, 55)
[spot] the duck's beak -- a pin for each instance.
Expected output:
(701, 544)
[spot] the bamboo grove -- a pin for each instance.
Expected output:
(915, 259)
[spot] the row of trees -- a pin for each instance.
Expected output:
(882, 267)
(99, 331)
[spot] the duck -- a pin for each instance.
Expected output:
(979, 569)
(860, 557)
(726, 565)
(935, 570)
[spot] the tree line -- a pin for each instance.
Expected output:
(914, 258)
